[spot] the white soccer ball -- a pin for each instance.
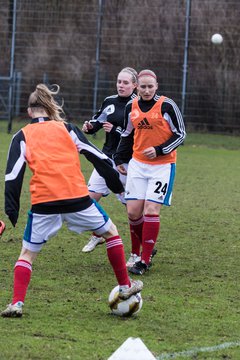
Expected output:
(125, 308)
(217, 39)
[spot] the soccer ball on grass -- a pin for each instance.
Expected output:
(125, 308)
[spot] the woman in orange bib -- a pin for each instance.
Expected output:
(158, 129)
(59, 194)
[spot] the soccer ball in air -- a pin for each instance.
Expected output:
(217, 39)
(128, 307)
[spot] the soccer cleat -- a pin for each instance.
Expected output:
(152, 256)
(2, 227)
(93, 242)
(133, 258)
(139, 268)
(13, 310)
(125, 292)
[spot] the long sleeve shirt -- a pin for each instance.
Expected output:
(169, 112)
(51, 150)
(111, 110)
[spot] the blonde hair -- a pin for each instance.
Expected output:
(147, 72)
(43, 97)
(133, 72)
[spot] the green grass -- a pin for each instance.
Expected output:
(190, 296)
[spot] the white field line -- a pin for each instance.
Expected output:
(195, 351)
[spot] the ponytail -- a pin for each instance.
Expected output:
(43, 97)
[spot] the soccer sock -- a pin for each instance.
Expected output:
(22, 276)
(116, 257)
(150, 232)
(136, 234)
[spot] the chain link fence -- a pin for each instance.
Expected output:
(82, 45)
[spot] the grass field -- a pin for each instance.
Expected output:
(191, 294)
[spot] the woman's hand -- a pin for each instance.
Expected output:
(87, 126)
(150, 152)
(107, 126)
(121, 169)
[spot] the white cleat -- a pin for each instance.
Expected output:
(13, 310)
(125, 292)
(93, 242)
(132, 260)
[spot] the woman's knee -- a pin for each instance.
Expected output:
(28, 255)
(152, 208)
(134, 213)
(111, 232)
(135, 209)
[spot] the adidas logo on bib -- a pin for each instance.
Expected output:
(144, 124)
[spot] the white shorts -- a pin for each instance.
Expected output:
(150, 182)
(41, 227)
(97, 183)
